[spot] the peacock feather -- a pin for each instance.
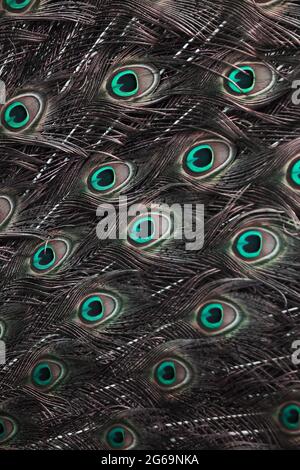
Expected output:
(135, 341)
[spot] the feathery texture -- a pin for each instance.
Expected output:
(126, 344)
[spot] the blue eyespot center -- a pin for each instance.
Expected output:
(143, 230)
(42, 374)
(125, 83)
(92, 309)
(295, 173)
(211, 316)
(103, 178)
(290, 417)
(200, 159)
(166, 373)
(249, 244)
(241, 80)
(17, 4)
(16, 115)
(44, 257)
(116, 437)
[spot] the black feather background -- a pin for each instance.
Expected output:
(237, 389)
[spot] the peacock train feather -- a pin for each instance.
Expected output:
(138, 342)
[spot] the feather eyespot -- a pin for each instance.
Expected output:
(98, 308)
(8, 428)
(18, 6)
(49, 255)
(248, 80)
(46, 374)
(132, 82)
(109, 177)
(293, 174)
(208, 157)
(289, 417)
(120, 437)
(256, 245)
(146, 230)
(6, 209)
(171, 374)
(22, 112)
(217, 317)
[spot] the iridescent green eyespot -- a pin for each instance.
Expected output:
(120, 437)
(16, 115)
(16, 4)
(212, 316)
(217, 317)
(146, 230)
(166, 373)
(98, 307)
(125, 83)
(249, 244)
(242, 79)
(110, 177)
(92, 309)
(256, 244)
(250, 82)
(208, 157)
(42, 375)
(132, 82)
(47, 373)
(171, 374)
(103, 179)
(200, 158)
(116, 437)
(289, 417)
(44, 258)
(293, 174)
(143, 230)
(20, 113)
(8, 428)
(49, 255)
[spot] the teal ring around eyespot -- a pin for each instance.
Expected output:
(36, 372)
(190, 159)
(85, 309)
(133, 233)
(94, 179)
(2, 424)
(232, 77)
(284, 417)
(295, 173)
(10, 122)
(116, 88)
(111, 437)
(15, 5)
(160, 371)
(242, 241)
(5, 435)
(36, 262)
(205, 312)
